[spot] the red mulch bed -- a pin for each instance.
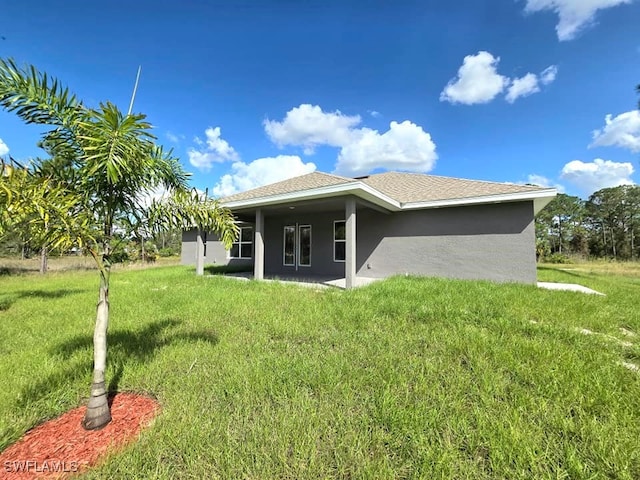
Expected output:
(60, 448)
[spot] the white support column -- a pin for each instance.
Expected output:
(199, 253)
(350, 256)
(258, 247)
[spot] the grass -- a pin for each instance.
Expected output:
(406, 378)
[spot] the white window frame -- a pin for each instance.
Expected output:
(341, 241)
(240, 243)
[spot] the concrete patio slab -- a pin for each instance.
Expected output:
(568, 286)
(311, 282)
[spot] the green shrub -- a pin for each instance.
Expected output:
(557, 258)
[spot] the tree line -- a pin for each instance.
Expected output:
(606, 225)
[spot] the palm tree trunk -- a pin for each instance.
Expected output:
(98, 414)
(44, 260)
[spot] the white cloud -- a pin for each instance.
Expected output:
(4, 149)
(591, 177)
(544, 182)
(374, 113)
(530, 83)
(213, 150)
(261, 172)
(621, 131)
(405, 146)
(308, 126)
(173, 138)
(574, 15)
(477, 81)
(522, 87)
(549, 74)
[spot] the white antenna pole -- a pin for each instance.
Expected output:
(135, 88)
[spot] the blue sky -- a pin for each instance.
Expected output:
(250, 92)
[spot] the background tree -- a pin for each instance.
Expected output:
(106, 162)
(558, 223)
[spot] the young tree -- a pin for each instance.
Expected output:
(106, 163)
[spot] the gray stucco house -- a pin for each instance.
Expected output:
(380, 225)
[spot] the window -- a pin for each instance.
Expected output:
(243, 247)
(289, 245)
(304, 248)
(339, 241)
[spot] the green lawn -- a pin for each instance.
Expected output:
(407, 378)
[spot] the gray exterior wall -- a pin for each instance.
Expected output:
(215, 254)
(321, 244)
(492, 242)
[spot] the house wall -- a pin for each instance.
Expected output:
(493, 242)
(215, 253)
(321, 244)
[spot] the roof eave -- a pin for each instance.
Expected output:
(540, 198)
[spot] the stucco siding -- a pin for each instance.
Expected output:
(215, 253)
(492, 242)
(321, 244)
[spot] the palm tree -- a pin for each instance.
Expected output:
(105, 163)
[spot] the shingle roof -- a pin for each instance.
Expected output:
(401, 187)
(416, 187)
(295, 184)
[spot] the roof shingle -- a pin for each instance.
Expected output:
(399, 186)
(295, 184)
(417, 187)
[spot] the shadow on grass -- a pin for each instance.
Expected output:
(124, 347)
(562, 271)
(222, 269)
(9, 299)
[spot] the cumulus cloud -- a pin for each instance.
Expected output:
(4, 149)
(374, 113)
(405, 146)
(621, 131)
(245, 176)
(530, 83)
(308, 126)
(544, 182)
(574, 15)
(593, 176)
(477, 81)
(213, 150)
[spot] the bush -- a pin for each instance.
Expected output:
(557, 258)
(167, 252)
